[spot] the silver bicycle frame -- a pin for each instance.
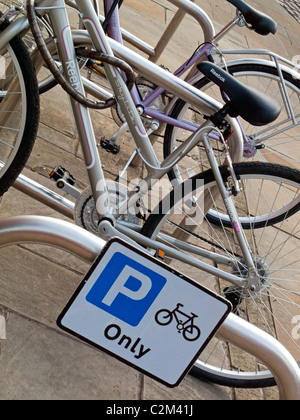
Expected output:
(155, 169)
(154, 73)
(169, 82)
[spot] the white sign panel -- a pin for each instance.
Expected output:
(142, 312)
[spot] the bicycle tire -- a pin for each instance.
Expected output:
(25, 119)
(273, 290)
(287, 210)
(271, 147)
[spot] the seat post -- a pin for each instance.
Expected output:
(218, 119)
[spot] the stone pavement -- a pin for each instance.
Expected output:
(38, 361)
(293, 7)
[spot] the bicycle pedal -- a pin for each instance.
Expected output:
(61, 173)
(65, 181)
(110, 146)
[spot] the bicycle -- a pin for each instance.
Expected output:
(181, 119)
(279, 79)
(276, 76)
(248, 274)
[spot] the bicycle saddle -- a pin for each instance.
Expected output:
(260, 22)
(252, 105)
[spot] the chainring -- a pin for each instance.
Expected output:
(85, 213)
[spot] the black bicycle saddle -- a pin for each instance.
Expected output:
(260, 22)
(252, 105)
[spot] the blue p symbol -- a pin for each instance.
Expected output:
(126, 289)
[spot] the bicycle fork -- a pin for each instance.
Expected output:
(226, 194)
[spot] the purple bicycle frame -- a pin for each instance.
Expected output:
(114, 32)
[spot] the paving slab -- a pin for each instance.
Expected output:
(38, 363)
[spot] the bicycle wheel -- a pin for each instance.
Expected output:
(275, 303)
(271, 200)
(280, 141)
(45, 78)
(19, 112)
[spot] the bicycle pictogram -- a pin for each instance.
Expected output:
(187, 327)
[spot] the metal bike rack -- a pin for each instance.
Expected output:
(184, 7)
(86, 246)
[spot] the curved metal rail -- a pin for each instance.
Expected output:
(86, 246)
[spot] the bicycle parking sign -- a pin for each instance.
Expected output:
(141, 311)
